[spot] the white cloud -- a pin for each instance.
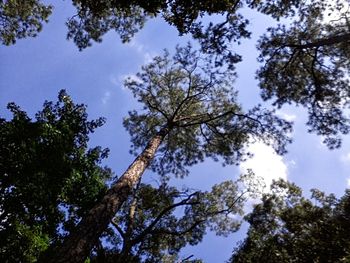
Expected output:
(120, 81)
(106, 97)
(141, 50)
(148, 57)
(114, 80)
(136, 45)
(265, 163)
(345, 158)
(286, 116)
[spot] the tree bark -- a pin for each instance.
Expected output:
(125, 251)
(78, 244)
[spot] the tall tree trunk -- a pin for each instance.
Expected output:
(127, 245)
(78, 244)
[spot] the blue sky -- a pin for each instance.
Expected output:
(35, 69)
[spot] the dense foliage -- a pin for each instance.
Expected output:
(95, 18)
(304, 55)
(287, 227)
(197, 103)
(20, 19)
(156, 222)
(189, 113)
(49, 177)
(307, 62)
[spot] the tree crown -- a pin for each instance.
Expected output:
(43, 162)
(195, 102)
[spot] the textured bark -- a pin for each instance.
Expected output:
(125, 252)
(78, 244)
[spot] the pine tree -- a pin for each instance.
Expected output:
(189, 113)
(288, 227)
(155, 223)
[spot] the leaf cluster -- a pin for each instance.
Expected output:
(287, 227)
(48, 176)
(95, 18)
(196, 103)
(307, 62)
(21, 19)
(156, 222)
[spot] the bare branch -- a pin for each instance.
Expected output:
(157, 109)
(148, 229)
(120, 231)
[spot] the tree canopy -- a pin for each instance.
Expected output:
(156, 222)
(20, 19)
(43, 162)
(304, 56)
(287, 227)
(307, 62)
(189, 112)
(197, 103)
(95, 18)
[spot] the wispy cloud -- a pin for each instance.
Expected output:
(115, 80)
(131, 77)
(119, 81)
(105, 98)
(345, 158)
(286, 116)
(136, 45)
(142, 50)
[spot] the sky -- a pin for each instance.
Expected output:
(35, 69)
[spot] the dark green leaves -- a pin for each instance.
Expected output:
(287, 227)
(48, 176)
(307, 63)
(20, 19)
(156, 222)
(87, 25)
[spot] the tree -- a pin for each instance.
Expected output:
(190, 113)
(42, 163)
(287, 227)
(155, 223)
(20, 19)
(307, 62)
(95, 18)
(305, 58)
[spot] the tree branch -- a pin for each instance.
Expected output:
(180, 233)
(157, 109)
(186, 258)
(120, 231)
(161, 214)
(323, 42)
